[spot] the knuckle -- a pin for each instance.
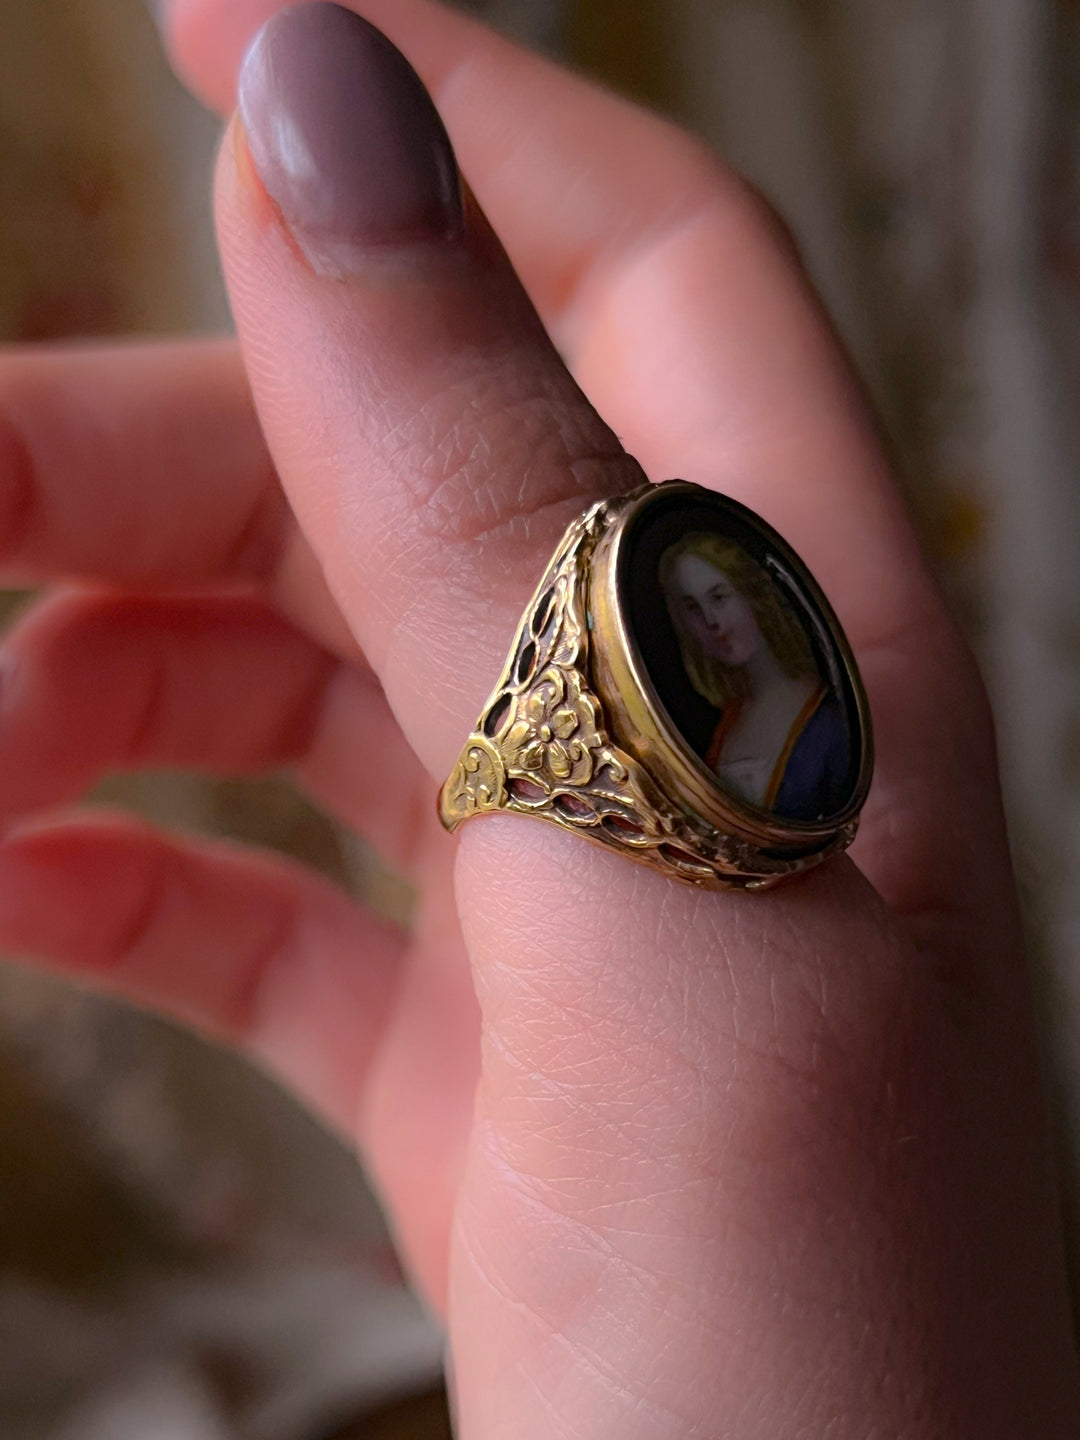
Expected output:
(132, 938)
(707, 183)
(499, 449)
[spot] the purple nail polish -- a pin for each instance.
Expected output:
(344, 136)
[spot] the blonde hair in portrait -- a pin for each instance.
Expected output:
(781, 631)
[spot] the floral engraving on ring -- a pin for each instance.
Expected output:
(555, 734)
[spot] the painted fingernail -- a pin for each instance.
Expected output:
(344, 136)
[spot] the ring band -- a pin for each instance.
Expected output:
(679, 690)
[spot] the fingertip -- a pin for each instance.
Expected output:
(345, 137)
(205, 41)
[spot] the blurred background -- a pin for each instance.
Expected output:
(186, 1255)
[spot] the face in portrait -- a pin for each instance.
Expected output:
(780, 739)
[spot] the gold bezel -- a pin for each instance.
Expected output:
(638, 719)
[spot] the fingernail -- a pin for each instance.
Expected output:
(344, 136)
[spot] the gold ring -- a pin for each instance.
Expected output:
(679, 690)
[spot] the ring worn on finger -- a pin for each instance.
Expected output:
(679, 690)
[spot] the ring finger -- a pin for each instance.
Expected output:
(92, 683)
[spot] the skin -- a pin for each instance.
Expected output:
(718, 616)
(668, 1164)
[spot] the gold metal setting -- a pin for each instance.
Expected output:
(574, 734)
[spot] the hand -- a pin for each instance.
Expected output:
(698, 1164)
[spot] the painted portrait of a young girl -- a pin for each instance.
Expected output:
(780, 740)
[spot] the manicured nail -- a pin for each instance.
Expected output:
(344, 136)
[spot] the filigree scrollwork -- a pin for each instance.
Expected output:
(477, 782)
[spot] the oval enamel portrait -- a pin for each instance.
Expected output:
(743, 656)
